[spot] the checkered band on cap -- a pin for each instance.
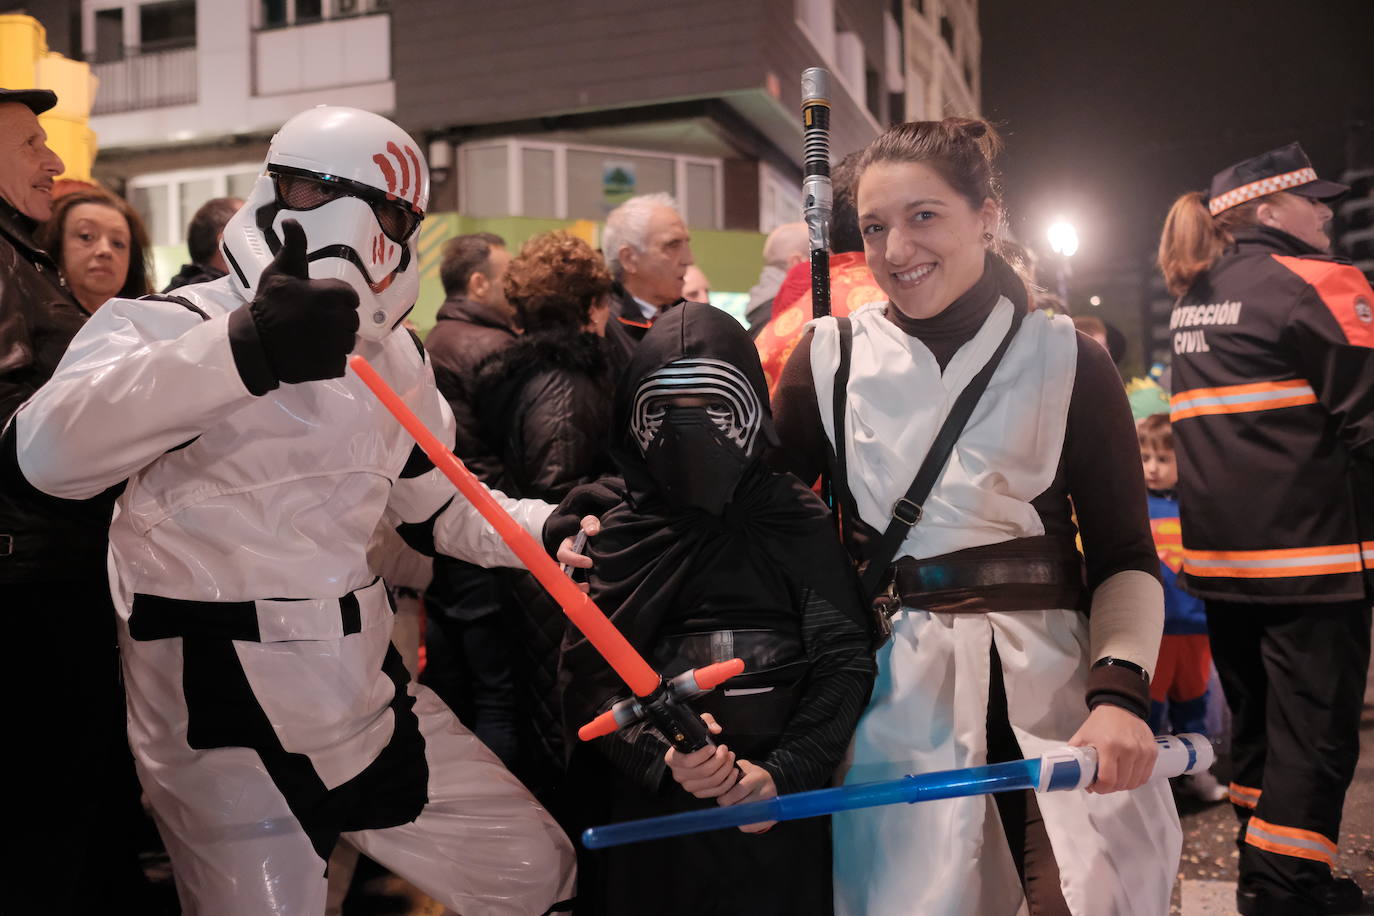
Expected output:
(1237, 196)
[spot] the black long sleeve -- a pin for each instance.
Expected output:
(841, 677)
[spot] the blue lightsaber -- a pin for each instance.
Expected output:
(1058, 770)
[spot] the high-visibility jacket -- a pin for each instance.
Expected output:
(1273, 422)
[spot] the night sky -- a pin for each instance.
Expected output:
(1111, 109)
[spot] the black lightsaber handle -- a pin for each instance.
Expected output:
(817, 200)
(678, 723)
(817, 194)
(675, 720)
(820, 282)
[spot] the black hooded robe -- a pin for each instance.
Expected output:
(767, 581)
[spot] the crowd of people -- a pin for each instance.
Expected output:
(274, 610)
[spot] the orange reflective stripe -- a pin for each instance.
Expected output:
(1244, 796)
(1246, 398)
(1345, 293)
(1273, 564)
(1289, 841)
(1367, 549)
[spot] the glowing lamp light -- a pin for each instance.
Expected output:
(1095, 300)
(1063, 238)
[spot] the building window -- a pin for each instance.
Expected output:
(168, 200)
(538, 184)
(516, 177)
(779, 198)
(273, 13)
(109, 36)
(915, 97)
(947, 31)
(699, 196)
(874, 94)
(486, 181)
(817, 19)
(164, 26)
(278, 13)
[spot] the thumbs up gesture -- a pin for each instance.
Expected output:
(296, 329)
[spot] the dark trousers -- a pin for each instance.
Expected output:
(467, 654)
(78, 821)
(1294, 677)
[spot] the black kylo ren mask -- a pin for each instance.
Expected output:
(691, 415)
(695, 463)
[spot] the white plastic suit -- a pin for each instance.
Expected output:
(268, 711)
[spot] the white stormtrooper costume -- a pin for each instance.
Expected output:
(268, 712)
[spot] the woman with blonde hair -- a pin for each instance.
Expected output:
(991, 654)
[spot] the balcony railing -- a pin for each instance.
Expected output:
(150, 80)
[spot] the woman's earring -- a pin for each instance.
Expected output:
(987, 236)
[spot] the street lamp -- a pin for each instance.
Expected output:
(1063, 242)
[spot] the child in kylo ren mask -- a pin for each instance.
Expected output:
(709, 556)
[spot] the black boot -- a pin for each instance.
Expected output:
(1342, 895)
(1339, 896)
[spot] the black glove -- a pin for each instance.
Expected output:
(296, 329)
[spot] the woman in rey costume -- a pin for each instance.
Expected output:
(1005, 639)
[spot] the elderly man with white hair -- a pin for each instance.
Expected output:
(648, 250)
(785, 246)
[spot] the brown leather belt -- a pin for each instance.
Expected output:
(984, 585)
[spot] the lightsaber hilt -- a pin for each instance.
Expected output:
(667, 708)
(817, 194)
(1067, 768)
(1062, 769)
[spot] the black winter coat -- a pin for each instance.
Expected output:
(193, 273)
(544, 409)
(544, 406)
(465, 333)
(41, 538)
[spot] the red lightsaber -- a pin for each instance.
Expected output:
(659, 699)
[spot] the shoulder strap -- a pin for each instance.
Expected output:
(838, 396)
(906, 512)
(835, 489)
(178, 300)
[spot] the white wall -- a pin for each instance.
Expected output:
(344, 52)
(343, 62)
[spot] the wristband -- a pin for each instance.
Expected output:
(1110, 662)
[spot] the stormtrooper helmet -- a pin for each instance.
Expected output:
(358, 186)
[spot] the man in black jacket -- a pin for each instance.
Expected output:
(467, 661)
(474, 322)
(202, 242)
(64, 670)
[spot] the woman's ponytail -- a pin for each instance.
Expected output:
(1193, 239)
